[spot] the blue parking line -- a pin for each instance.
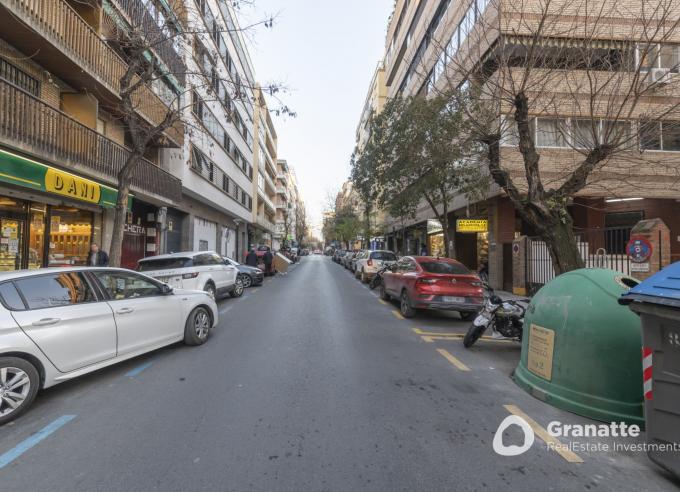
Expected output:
(138, 370)
(9, 456)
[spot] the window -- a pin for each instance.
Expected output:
(10, 297)
(444, 267)
(225, 183)
(617, 132)
(655, 135)
(550, 132)
(119, 285)
(205, 259)
(383, 255)
(164, 264)
(64, 289)
(19, 78)
(509, 134)
(585, 133)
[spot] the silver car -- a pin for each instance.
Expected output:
(60, 323)
(371, 261)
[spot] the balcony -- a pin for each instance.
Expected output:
(30, 125)
(265, 223)
(68, 47)
(281, 190)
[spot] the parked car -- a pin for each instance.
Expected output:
(60, 323)
(194, 270)
(426, 282)
(338, 254)
(369, 263)
(353, 262)
(250, 276)
(317, 251)
(347, 259)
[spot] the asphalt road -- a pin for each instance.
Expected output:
(308, 383)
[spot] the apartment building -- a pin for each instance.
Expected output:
(432, 45)
(264, 165)
(216, 166)
(373, 105)
(62, 136)
(286, 204)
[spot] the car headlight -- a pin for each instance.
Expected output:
(257, 270)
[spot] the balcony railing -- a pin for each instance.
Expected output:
(140, 16)
(57, 22)
(29, 124)
(265, 223)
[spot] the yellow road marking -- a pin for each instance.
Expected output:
(430, 337)
(552, 442)
(397, 314)
(454, 361)
(382, 302)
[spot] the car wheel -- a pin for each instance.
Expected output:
(19, 382)
(383, 293)
(210, 289)
(247, 281)
(405, 306)
(237, 291)
(197, 327)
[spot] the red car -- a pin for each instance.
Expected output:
(426, 282)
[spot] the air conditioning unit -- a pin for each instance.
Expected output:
(659, 76)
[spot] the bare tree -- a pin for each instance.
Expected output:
(301, 225)
(566, 97)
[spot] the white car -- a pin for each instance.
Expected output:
(195, 270)
(60, 323)
(368, 264)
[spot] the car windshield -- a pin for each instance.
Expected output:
(233, 262)
(444, 267)
(383, 255)
(164, 264)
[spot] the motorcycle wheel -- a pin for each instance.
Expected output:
(473, 334)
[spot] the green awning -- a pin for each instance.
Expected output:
(25, 172)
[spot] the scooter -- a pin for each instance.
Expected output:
(377, 278)
(504, 318)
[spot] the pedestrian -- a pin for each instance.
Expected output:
(423, 251)
(268, 259)
(96, 256)
(251, 258)
(484, 272)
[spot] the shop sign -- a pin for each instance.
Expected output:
(434, 226)
(639, 250)
(21, 171)
(72, 186)
(472, 225)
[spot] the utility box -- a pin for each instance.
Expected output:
(657, 301)
(581, 349)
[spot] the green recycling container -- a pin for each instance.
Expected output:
(581, 350)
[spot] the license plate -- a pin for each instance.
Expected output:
(453, 300)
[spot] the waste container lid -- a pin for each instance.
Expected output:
(661, 288)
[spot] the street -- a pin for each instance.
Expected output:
(308, 383)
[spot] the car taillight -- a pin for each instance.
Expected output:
(190, 275)
(369, 262)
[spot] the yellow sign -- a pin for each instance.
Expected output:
(472, 225)
(541, 347)
(72, 186)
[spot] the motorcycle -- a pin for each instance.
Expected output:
(504, 318)
(377, 278)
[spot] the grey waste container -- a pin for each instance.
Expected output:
(657, 301)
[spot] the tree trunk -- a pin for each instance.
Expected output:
(561, 244)
(116, 250)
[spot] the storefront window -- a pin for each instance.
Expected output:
(70, 236)
(12, 227)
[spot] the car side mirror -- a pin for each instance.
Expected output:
(166, 289)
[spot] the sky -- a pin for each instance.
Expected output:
(324, 52)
